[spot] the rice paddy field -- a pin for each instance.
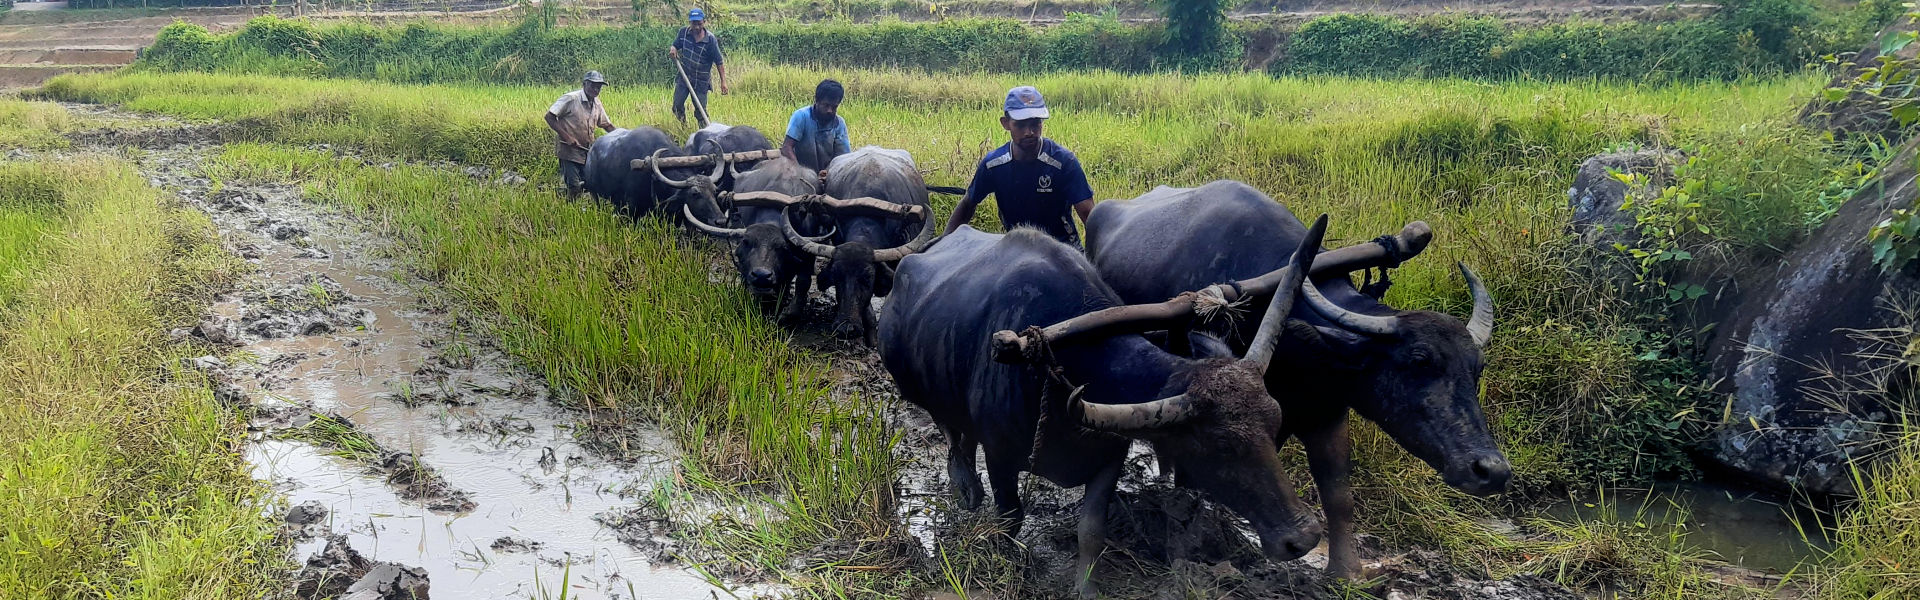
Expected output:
(124, 476)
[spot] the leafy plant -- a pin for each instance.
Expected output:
(1664, 222)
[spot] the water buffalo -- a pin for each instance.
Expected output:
(1213, 415)
(610, 173)
(1415, 373)
(865, 246)
(770, 267)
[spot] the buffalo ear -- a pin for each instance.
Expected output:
(1302, 341)
(1206, 345)
(882, 280)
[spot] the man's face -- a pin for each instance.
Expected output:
(1026, 132)
(697, 27)
(592, 88)
(824, 111)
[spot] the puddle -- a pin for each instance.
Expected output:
(1750, 529)
(326, 325)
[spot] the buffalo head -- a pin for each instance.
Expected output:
(857, 272)
(762, 255)
(1219, 423)
(700, 192)
(1423, 369)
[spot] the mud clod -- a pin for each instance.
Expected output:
(389, 581)
(218, 330)
(329, 573)
(417, 481)
(514, 544)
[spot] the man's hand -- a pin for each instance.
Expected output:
(673, 53)
(724, 90)
(823, 179)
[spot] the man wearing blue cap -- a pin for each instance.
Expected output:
(698, 51)
(1034, 181)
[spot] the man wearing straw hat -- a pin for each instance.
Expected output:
(696, 53)
(573, 118)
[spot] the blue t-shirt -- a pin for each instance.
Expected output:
(815, 144)
(1038, 193)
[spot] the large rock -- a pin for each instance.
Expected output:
(1860, 113)
(1596, 195)
(1811, 383)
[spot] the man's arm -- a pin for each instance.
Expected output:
(673, 49)
(719, 62)
(786, 149)
(1085, 208)
(553, 122)
(962, 213)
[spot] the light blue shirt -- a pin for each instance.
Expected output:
(814, 144)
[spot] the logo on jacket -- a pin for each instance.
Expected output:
(1046, 183)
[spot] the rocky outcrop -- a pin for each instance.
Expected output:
(1596, 195)
(1860, 113)
(1814, 356)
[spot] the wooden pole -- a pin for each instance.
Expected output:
(681, 162)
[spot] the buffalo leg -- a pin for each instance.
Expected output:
(1330, 456)
(1093, 527)
(1004, 474)
(960, 468)
(797, 302)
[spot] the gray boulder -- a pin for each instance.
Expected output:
(1596, 196)
(1860, 113)
(1813, 355)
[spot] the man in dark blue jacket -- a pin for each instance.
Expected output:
(698, 51)
(1034, 181)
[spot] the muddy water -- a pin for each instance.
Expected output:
(1742, 527)
(496, 494)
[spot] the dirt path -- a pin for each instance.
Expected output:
(400, 430)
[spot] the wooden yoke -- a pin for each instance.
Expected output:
(681, 162)
(863, 204)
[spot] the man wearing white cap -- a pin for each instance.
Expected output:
(573, 118)
(1034, 181)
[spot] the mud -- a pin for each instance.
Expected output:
(412, 448)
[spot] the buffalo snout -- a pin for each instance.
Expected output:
(1481, 474)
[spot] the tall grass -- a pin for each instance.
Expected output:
(118, 468)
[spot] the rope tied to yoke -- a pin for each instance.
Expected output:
(1377, 289)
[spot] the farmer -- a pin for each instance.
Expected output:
(816, 133)
(1033, 180)
(573, 118)
(698, 51)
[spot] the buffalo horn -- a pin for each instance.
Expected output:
(802, 242)
(1260, 353)
(1126, 418)
(1481, 324)
(719, 232)
(655, 163)
(1349, 320)
(720, 162)
(919, 242)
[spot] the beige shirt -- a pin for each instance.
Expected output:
(578, 118)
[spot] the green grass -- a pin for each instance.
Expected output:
(118, 468)
(34, 125)
(626, 315)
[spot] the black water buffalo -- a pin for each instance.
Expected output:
(771, 268)
(1214, 415)
(1415, 373)
(610, 173)
(864, 246)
